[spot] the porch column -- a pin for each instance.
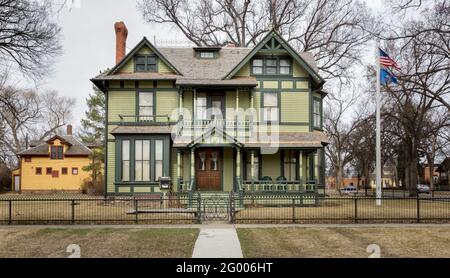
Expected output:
(252, 160)
(316, 165)
(180, 102)
(300, 165)
(192, 172)
(194, 113)
(236, 113)
(179, 165)
(238, 164)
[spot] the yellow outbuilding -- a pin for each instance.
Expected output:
(53, 165)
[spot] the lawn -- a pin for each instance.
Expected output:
(98, 242)
(347, 242)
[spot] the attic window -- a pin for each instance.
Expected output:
(145, 63)
(207, 54)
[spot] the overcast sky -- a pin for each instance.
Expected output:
(89, 44)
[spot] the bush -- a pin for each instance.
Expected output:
(93, 187)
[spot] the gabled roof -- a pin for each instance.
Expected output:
(189, 70)
(142, 43)
(60, 138)
(75, 147)
(305, 59)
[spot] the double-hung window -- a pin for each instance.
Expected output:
(270, 107)
(201, 106)
(285, 66)
(317, 113)
(142, 160)
(159, 154)
(271, 66)
(258, 66)
(248, 166)
(145, 63)
(146, 100)
(290, 165)
(125, 160)
(56, 152)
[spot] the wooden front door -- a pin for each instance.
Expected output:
(208, 169)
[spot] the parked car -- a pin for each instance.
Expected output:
(423, 188)
(349, 190)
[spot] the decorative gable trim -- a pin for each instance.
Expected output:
(269, 43)
(142, 43)
(63, 141)
(213, 131)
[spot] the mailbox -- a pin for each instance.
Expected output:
(164, 182)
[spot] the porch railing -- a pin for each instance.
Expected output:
(222, 123)
(279, 186)
(144, 120)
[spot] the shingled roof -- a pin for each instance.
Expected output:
(76, 148)
(193, 71)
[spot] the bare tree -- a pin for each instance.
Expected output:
(340, 128)
(27, 114)
(334, 31)
(29, 39)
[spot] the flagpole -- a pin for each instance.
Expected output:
(378, 129)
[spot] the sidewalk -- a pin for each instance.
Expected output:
(219, 242)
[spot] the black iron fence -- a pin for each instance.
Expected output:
(234, 209)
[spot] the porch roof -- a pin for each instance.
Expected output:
(283, 140)
(289, 140)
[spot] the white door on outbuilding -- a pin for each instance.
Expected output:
(17, 183)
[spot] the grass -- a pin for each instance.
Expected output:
(98, 243)
(343, 210)
(402, 242)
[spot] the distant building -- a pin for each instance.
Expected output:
(55, 164)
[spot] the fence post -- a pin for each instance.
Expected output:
(293, 210)
(418, 208)
(231, 208)
(136, 213)
(10, 212)
(199, 209)
(356, 209)
(73, 211)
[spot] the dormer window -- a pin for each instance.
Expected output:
(56, 152)
(207, 52)
(145, 63)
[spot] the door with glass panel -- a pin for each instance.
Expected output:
(208, 169)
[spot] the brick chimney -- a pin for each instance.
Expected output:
(121, 40)
(69, 129)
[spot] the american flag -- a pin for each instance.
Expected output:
(387, 61)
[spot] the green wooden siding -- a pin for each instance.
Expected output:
(111, 158)
(294, 107)
(228, 176)
(121, 103)
(167, 104)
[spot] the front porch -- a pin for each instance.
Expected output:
(242, 170)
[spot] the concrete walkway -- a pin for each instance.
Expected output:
(217, 243)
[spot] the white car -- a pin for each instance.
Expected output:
(423, 188)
